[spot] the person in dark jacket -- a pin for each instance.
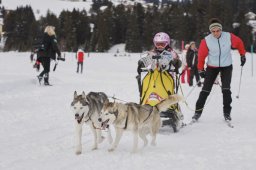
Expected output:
(217, 48)
(192, 60)
(48, 49)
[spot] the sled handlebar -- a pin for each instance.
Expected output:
(156, 57)
(62, 59)
(147, 70)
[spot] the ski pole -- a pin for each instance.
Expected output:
(189, 93)
(55, 66)
(240, 82)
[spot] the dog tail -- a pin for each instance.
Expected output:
(166, 103)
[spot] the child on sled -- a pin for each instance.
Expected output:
(160, 66)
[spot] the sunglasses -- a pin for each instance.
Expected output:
(160, 45)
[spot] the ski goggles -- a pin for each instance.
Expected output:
(160, 45)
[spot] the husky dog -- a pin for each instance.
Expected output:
(140, 119)
(86, 109)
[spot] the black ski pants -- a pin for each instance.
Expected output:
(81, 64)
(46, 62)
(193, 73)
(210, 76)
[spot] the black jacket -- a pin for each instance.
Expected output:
(191, 58)
(50, 46)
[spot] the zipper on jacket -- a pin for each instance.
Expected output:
(220, 51)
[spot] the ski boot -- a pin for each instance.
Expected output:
(227, 116)
(46, 80)
(196, 116)
(39, 79)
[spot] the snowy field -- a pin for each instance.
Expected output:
(37, 126)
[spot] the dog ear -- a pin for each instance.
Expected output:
(83, 95)
(75, 94)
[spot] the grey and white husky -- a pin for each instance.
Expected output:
(86, 109)
(140, 119)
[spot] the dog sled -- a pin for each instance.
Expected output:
(155, 85)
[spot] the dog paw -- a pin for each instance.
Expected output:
(111, 149)
(78, 152)
(94, 148)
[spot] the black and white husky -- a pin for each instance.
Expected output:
(86, 109)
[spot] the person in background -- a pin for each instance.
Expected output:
(185, 70)
(216, 47)
(80, 60)
(192, 61)
(32, 56)
(47, 51)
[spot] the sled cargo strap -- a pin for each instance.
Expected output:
(167, 91)
(146, 89)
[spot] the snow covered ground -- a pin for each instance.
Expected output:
(37, 126)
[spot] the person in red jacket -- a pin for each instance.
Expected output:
(80, 60)
(185, 70)
(216, 47)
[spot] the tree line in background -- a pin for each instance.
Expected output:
(183, 20)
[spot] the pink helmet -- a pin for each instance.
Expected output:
(161, 40)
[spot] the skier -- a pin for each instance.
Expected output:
(80, 60)
(217, 47)
(48, 51)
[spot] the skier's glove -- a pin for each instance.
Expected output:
(243, 60)
(59, 58)
(164, 68)
(201, 73)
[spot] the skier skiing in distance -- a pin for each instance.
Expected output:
(49, 48)
(217, 48)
